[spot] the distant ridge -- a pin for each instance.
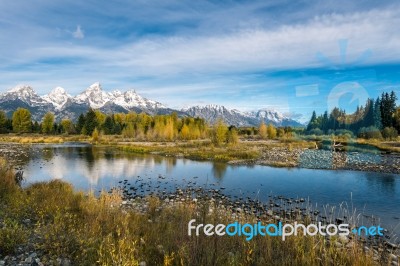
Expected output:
(63, 105)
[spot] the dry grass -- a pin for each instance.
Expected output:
(95, 231)
(39, 138)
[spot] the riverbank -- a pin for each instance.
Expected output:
(302, 153)
(50, 224)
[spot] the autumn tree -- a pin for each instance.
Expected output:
(262, 130)
(271, 131)
(233, 137)
(128, 131)
(95, 135)
(48, 123)
(219, 133)
(21, 121)
(185, 133)
(67, 126)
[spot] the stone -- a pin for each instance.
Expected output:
(66, 262)
(142, 263)
(393, 257)
(2, 262)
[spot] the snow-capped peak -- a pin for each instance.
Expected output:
(208, 107)
(24, 93)
(21, 89)
(268, 114)
(58, 97)
(212, 112)
(131, 99)
(94, 96)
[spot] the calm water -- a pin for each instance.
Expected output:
(93, 168)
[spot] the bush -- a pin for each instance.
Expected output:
(8, 183)
(11, 235)
(369, 133)
(390, 133)
(316, 131)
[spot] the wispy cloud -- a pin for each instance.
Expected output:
(227, 52)
(78, 33)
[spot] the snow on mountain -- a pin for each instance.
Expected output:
(213, 112)
(268, 114)
(97, 98)
(237, 118)
(58, 97)
(64, 105)
(94, 96)
(24, 93)
(131, 99)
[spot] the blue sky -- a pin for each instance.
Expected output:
(293, 56)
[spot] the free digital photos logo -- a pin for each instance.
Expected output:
(280, 230)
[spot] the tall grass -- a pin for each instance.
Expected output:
(93, 230)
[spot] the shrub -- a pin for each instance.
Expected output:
(8, 183)
(11, 235)
(316, 131)
(369, 133)
(389, 133)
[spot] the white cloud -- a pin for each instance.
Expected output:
(192, 59)
(78, 33)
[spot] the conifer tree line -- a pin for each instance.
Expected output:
(379, 118)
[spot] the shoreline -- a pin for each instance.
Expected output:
(205, 205)
(267, 153)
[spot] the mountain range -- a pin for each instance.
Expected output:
(63, 105)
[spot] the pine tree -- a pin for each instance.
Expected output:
(3, 122)
(109, 125)
(80, 124)
(377, 114)
(396, 118)
(325, 122)
(36, 127)
(90, 122)
(313, 121)
(368, 119)
(388, 107)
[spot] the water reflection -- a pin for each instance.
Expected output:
(102, 168)
(386, 183)
(219, 169)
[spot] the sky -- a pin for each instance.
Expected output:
(291, 56)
